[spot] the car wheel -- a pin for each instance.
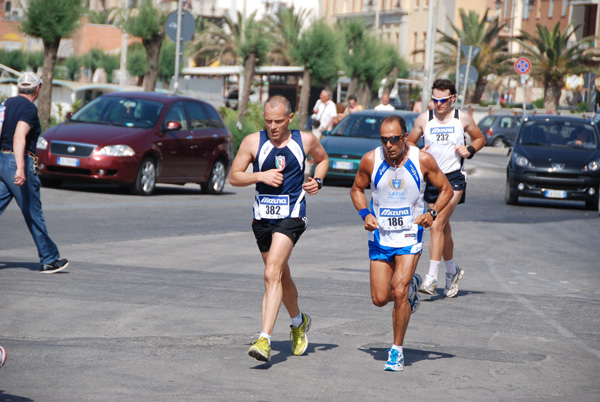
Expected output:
(145, 181)
(216, 180)
(52, 183)
(498, 143)
(509, 197)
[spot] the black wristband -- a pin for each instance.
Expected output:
(471, 152)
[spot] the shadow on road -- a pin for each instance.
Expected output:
(281, 350)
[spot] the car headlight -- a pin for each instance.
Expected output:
(42, 143)
(593, 166)
(522, 161)
(116, 150)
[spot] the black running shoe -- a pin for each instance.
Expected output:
(55, 267)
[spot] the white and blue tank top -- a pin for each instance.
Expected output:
(397, 199)
(289, 199)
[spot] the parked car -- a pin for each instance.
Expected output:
(232, 98)
(555, 157)
(139, 139)
(357, 134)
(497, 127)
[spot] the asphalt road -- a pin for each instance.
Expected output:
(162, 300)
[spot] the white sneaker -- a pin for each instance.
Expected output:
(429, 285)
(2, 356)
(452, 282)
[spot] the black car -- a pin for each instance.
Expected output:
(555, 157)
(498, 127)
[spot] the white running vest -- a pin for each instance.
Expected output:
(396, 200)
(443, 140)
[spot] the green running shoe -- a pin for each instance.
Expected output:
(298, 336)
(261, 350)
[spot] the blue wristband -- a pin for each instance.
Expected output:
(363, 213)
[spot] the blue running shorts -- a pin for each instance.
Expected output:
(379, 252)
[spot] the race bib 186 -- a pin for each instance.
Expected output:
(395, 218)
(274, 206)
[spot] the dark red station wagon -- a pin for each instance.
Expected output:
(139, 139)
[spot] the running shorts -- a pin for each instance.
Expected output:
(458, 182)
(264, 228)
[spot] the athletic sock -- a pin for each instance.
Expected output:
(451, 267)
(434, 267)
(297, 321)
(398, 348)
(265, 335)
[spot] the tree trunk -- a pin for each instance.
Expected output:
(552, 91)
(479, 90)
(152, 46)
(353, 87)
(249, 68)
(303, 107)
(390, 80)
(363, 95)
(45, 99)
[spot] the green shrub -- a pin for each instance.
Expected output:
(539, 103)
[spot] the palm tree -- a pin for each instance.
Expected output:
(367, 61)
(244, 41)
(285, 25)
(483, 33)
(50, 21)
(316, 50)
(553, 56)
(106, 16)
(149, 25)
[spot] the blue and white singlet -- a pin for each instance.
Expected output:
(289, 199)
(396, 200)
(443, 138)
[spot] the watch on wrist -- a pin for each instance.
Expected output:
(319, 182)
(433, 213)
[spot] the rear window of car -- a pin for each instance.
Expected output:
(487, 121)
(129, 112)
(365, 126)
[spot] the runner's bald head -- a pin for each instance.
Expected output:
(277, 100)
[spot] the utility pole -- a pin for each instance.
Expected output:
(123, 80)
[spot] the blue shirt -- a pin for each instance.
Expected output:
(19, 108)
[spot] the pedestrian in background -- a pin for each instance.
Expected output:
(18, 176)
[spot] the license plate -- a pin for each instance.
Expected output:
(74, 162)
(343, 165)
(555, 194)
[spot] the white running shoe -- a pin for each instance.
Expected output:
(2, 356)
(429, 285)
(452, 282)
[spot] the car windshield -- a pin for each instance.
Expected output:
(560, 134)
(366, 126)
(127, 112)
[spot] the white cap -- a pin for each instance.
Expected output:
(28, 80)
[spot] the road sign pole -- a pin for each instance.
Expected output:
(462, 105)
(177, 46)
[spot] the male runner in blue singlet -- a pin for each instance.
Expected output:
(395, 220)
(443, 130)
(277, 155)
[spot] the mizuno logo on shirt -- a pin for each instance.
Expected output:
(442, 130)
(394, 211)
(274, 201)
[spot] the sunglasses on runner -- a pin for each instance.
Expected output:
(393, 139)
(441, 100)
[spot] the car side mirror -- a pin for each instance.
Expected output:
(69, 115)
(173, 126)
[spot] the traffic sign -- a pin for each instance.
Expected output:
(522, 65)
(188, 26)
(472, 74)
